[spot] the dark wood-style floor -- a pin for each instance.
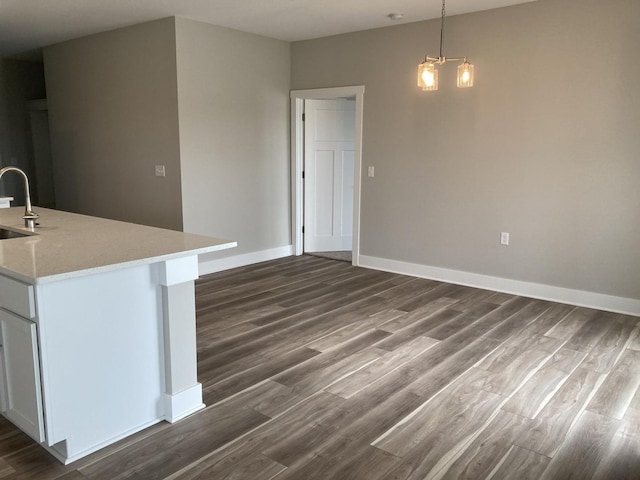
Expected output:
(314, 369)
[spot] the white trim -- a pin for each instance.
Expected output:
(332, 92)
(65, 459)
(227, 263)
(297, 166)
(628, 306)
(183, 404)
(297, 159)
(178, 270)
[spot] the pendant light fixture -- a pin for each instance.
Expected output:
(428, 73)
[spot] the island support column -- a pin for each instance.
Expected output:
(183, 392)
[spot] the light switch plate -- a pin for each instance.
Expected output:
(160, 171)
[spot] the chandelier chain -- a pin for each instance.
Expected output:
(427, 72)
(442, 30)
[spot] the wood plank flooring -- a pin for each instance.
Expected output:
(314, 369)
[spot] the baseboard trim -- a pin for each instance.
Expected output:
(627, 306)
(183, 404)
(227, 263)
(67, 459)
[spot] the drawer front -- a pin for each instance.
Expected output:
(17, 297)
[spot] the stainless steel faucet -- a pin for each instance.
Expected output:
(29, 215)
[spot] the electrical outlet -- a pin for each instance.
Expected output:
(160, 171)
(371, 171)
(504, 238)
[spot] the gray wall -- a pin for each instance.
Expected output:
(544, 147)
(233, 96)
(113, 113)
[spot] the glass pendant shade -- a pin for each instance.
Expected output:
(427, 73)
(427, 76)
(465, 75)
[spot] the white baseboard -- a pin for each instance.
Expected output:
(183, 404)
(227, 263)
(627, 306)
(65, 458)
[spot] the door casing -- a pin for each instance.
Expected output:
(297, 161)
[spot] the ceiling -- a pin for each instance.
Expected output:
(30, 24)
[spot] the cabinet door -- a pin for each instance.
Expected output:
(23, 392)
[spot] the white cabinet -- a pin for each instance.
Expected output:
(90, 359)
(20, 382)
(113, 308)
(22, 402)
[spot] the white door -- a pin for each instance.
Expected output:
(329, 129)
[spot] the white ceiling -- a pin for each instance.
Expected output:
(30, 24)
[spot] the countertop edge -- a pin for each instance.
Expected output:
(112, 267)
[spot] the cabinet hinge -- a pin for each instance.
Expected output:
(303, 117)
(303, 174)
(303, 229)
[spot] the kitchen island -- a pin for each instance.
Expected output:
(97, 324)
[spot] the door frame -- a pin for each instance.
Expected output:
(297, 161)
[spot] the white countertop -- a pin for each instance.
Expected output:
(69, 245)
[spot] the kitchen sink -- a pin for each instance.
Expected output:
(6, 234)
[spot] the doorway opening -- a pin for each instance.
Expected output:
(42, 180)
(326, 146)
